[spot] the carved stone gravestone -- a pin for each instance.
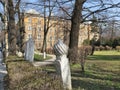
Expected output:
(29, 50)
(62, 64)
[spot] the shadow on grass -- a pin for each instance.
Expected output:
(105, 57)
(20, 60)
(81, 80)
(90, 85)
(93, 75)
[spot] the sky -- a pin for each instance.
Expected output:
(1, 8)
(87, 4)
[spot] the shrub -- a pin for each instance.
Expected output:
(108, 48)
(78, 55)
(86, 42)
(97, 48)
(82, 54)
(50, 51)
(88, 49)
(102, 48)
(118, 48)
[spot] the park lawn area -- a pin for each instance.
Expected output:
(38, 57)
(102, 72)
(105, 56)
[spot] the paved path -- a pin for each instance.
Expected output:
(3, 72)
(45, 62)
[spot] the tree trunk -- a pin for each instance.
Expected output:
(11, 28)
(45, 32)
(82, 67)
(22, 33)
(93, 49)
(44, 45)
(75, 24)
(19, 40)
(21, 29)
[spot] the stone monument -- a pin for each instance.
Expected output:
(19, 54)
(29, 50)
(62, 64)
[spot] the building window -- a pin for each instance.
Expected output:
(29, 36)
(29, 28)
(29, 20)
(39, 36)
(39, 29)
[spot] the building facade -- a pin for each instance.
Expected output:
(58, 29)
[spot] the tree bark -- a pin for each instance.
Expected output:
(75, 23)
(44, 45)
(21, 28)
(75, 26)
(11, 28)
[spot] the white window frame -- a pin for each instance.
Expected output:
(39, 37)
(29, 28)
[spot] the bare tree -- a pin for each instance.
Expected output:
(47, 25)
(21, 28)
(11, 28)
(83, 12)
(75, 24)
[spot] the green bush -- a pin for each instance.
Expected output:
(108, 48)
(97, 48)
(86, 42)
(101, 47)
(88, 49)
(50, 51)
(78, 55)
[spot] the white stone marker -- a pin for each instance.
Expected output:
(62, 64)
(29, 50)
(19, 54)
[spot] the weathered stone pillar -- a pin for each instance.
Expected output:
(29, 50)
(62, 64)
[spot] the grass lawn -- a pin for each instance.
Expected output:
(105, 56)
(102, 72)
(38, 57)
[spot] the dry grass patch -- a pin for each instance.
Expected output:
(23, 75)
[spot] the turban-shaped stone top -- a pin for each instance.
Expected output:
(60, 48)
